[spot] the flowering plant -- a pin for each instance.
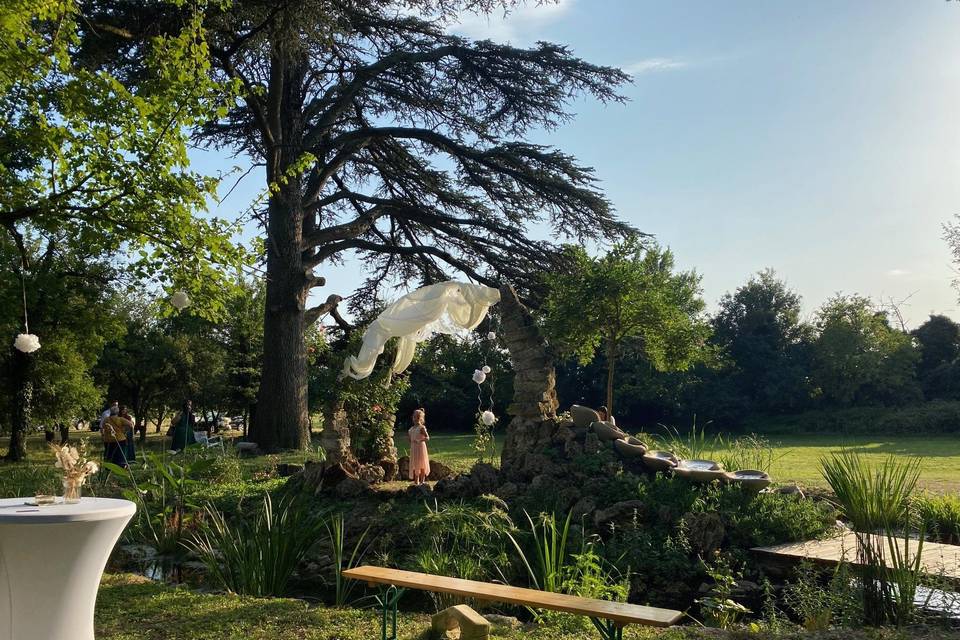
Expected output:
(74, 462)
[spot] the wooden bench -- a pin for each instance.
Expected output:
(608, 617)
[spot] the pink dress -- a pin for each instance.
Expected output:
(419, 459)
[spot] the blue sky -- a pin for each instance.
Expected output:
(819, 138)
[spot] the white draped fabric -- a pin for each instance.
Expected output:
(447, 307)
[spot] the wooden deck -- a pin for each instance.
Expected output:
(942, 560)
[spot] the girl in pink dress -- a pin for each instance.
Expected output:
(419, 459)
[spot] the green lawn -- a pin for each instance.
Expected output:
(131, 607)
(797, 457)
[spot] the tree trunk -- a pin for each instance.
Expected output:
(281, 416)
(23, 390)
(611, 363)
(282, 419)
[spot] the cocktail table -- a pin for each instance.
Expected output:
(51, 562)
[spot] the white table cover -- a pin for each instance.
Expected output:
(51, 562)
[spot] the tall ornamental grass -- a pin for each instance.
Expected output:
(876, 500)
(256, 556)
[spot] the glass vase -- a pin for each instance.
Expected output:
(72, 490)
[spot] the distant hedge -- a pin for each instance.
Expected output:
(936, 416)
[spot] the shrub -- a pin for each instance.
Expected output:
(939, 516)
(936, 416)
(463, 540)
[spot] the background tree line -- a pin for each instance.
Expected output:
(754, 357)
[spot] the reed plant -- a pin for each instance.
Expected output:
(257, 556)
(550, 557)
(877, 502)
(343, 559)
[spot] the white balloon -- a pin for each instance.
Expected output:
(488, 418)
(491, 335)
(26, 342)
(485, 369)
(479, 376)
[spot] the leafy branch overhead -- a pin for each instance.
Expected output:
(401, 135)
(83, 155)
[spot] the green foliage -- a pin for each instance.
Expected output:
(859, 358)
(164, 493)
(462, 540)
(630, 293)
(550, 558)
(440, 379)
(484, 442)
(939, 342)
(256, 556)
(343, 558)
(84, 156)
(819, 605)
(939, 516)
(371, 404)
(876, 500)
(938, 416)
(718, 608)
(73, 313)
(759, 328)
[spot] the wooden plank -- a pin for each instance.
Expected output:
(619, 612)
(937, 559)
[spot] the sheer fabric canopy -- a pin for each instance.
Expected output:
(447, 307)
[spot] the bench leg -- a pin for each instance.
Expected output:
(388, 602)
(609, 630)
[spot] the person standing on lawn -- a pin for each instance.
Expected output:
(114, 434)
(419, 458)
(106, 414)
(183, 428)
(130, 449)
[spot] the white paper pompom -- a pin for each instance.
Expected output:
(26, 342)
(488, 418)
(485, 369)
(491, 335)
(479, 376)
(180, 300)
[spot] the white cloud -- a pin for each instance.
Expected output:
(896, 273)
(522, 24)
(654, 65)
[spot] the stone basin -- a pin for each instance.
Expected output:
(659, 460)
(630, 447)
(700, 470)
(751, 479)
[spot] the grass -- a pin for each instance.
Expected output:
(797, 457)
(131, 607)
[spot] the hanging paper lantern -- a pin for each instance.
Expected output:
(26, 342)
(479, 376)
(485, 369)
(180, 300)
(491, 335)
(488, 418)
